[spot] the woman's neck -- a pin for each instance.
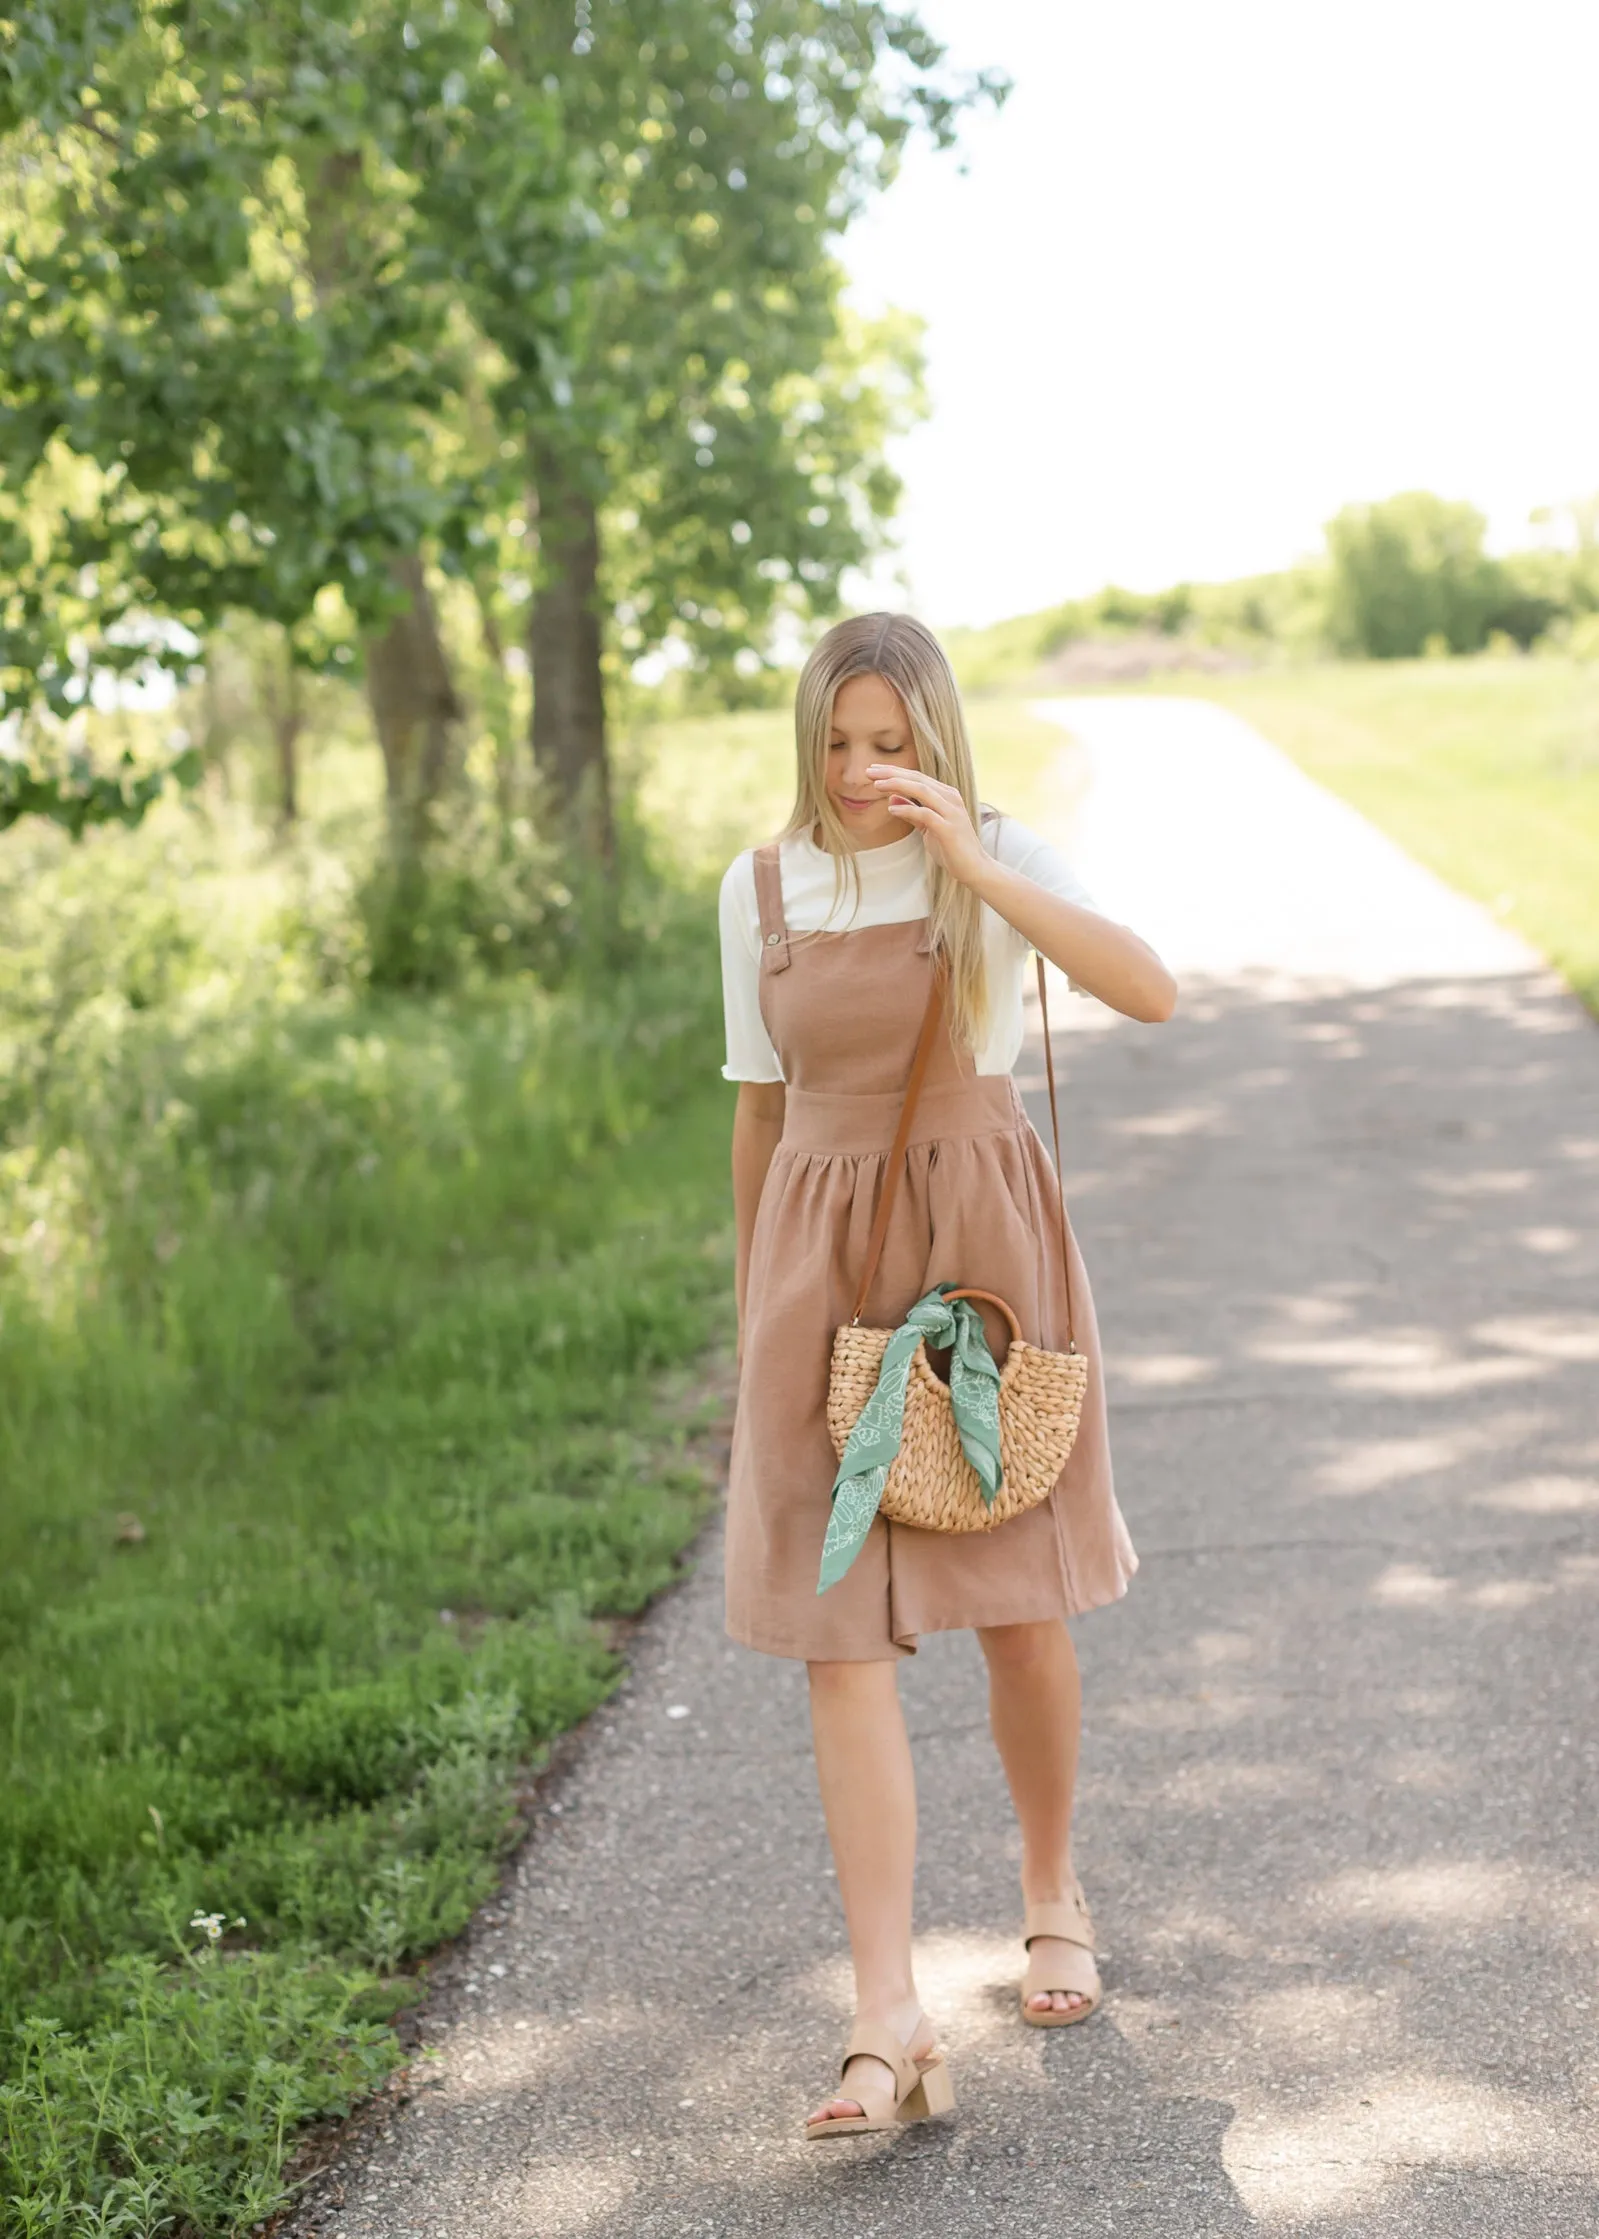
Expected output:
(862, 846)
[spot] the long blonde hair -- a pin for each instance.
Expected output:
(906, 655)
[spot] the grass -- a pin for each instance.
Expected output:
(346, 1362)
(347, 1353)
(347, 1350)
(1487, 770)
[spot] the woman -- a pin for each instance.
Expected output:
(889, 871)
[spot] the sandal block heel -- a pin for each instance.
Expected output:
(922, 2088)
(933, 2095)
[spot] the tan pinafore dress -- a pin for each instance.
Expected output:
(976, 1207)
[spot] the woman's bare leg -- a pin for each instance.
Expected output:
(1035, 1702)
(863, 1766)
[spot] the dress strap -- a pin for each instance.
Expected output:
(769, 903)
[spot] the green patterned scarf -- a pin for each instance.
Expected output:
(873, 1443)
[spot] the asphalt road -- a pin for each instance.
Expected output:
(1339, 1819)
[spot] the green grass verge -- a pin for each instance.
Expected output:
(1486, 770)
(346, 1359)
(344, 1346)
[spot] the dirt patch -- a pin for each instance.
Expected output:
(1128, 660)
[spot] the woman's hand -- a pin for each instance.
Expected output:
(939, 814)
(1109, 960)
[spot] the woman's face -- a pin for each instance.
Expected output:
(869, 725)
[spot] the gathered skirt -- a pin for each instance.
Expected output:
(978, 1207)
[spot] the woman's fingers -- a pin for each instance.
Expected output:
(913, 781)
(937, 811)
(895, 774)
(937, 800)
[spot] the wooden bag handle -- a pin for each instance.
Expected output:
(991, 1298)
(931, 1018)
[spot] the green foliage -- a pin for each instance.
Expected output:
(1408, 573)
(1248, 616)
(1401, 578)
(74, 793)
(1539, 595)
(713, 401)
(298, 290)
(183, 2106)
(332, 1327)
(490, 899)
(228, 324)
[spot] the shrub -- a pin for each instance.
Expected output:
(1407, 570)
(330, 1319)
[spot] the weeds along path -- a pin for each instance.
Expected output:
(1337, 1804)
(347, 1347)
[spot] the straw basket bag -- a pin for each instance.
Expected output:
(931, 1483)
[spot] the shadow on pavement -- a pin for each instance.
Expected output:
(1339, 1785)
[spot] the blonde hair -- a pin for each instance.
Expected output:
(907, 656)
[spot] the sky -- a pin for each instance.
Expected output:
(1219, 267)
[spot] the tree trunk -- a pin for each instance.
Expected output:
(287, 728)
(564, 642)
(216, 740)
(413, 699)
(497, 701)
(414, 708)
(286, 713)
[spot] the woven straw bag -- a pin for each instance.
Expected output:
(931, 1483)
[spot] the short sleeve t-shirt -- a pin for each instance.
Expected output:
(893, 891)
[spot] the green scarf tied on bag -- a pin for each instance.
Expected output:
(874, 1442)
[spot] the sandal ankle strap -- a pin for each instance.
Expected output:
(1065, 1917)
(870, 2040)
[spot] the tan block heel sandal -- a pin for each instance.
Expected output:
(1074, 1970)
(921, 2087)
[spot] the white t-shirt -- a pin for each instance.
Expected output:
(893, 890)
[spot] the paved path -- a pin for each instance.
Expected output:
(1339, 1807)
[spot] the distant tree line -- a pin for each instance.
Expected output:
(1407, 576)
(317, 312)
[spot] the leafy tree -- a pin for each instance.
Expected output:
(710, 448)
(304, 291)
(229, 326)
(1409, 571)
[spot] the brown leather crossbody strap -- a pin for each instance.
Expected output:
(893, 1172)
(932, 1018)
(1060, 1172)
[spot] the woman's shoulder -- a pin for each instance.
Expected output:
(736, 903)
(739, 903)
(1004, 835)
(792, 850)
(1020, 848)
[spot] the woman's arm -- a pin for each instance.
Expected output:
(757, 1124)
(1095, 953)
(1107, 959)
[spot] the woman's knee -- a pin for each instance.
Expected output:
(839, 1681)
(1030, 1647)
